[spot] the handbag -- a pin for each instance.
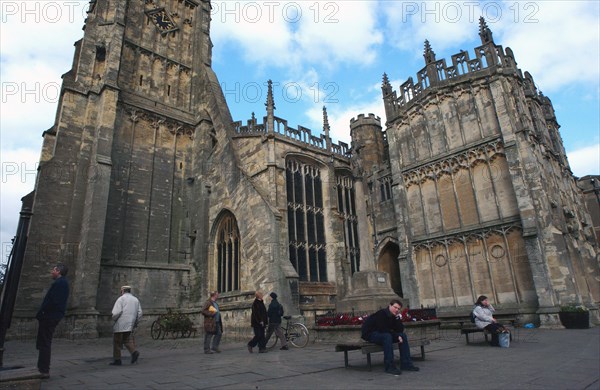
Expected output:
(504, 340)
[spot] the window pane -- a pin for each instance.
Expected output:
(302, 268)
(309, 190)
(318, 192)
(310, 226)
(314, 272)
(320, 229)
(322, 265)
(300, 226)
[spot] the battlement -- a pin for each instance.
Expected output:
(361, 119)
(437, 73)
(301, 134)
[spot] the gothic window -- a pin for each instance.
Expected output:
(305, 221)
(347, 207)
(385, 187)
(228, 254)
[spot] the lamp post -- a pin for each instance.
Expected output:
(13, 274)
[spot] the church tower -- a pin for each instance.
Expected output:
(121, 195)
(485, 199)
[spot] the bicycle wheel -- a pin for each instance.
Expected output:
(155, 330)
(298, 335)
(272, 342)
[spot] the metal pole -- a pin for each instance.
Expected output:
(13, 274)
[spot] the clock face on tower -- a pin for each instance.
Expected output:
(162, 20)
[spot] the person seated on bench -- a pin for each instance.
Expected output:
(385, 328)
(483, 314)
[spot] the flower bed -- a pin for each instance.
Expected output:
(407, 315)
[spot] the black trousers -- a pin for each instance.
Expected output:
(43, 343)
(259, 338)
(494, 329)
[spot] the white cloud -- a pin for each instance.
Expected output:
(258, 28)
(446, 24)
(33, 57)
(38, 30)
(560, 45)
(558, 42)
(341, 31)
(298, 34)
(19, 168)
(585, 161)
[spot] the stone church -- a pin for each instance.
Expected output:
(145, 179)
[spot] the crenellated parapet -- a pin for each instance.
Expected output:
(361, 119)
(276, 126)
(299, 134)
(437, 73)
(369, 145)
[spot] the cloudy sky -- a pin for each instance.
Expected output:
(318, 53)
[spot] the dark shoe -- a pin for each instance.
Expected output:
(393, 371)
(284, 348)
(209, 352)
(262, 351)
(249, 349)
(115, 363)
(216, 350)
(411, 368)
(134, 357)
(44, 375)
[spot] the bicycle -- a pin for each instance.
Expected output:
(177, 324)
(295, 333)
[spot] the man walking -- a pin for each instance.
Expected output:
(258, 320)
(126, 313)
(274, 313)
(49, 315)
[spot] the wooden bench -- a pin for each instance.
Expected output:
(470, 328)
(368, 348)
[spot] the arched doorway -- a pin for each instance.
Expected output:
(388, 262)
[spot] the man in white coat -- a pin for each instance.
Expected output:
(126, 313)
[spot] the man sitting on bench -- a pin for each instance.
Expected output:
(384, 328)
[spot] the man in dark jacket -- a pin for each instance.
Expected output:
(258, 320)
(51, 312)
(274, 313)
(385, 328)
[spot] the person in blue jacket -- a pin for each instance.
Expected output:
(49, 315)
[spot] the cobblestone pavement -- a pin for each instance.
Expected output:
(536, 359)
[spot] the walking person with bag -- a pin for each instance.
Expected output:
(213, 325)
(275, 312)
(126, 313)
(258, 320)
